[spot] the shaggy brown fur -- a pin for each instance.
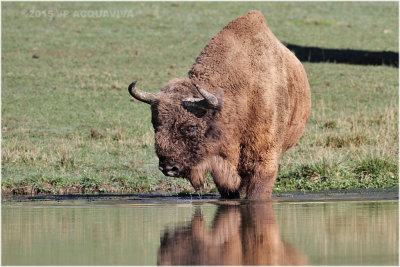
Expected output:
(264, 105)
(240, 235)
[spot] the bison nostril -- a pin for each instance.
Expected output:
(174, 169)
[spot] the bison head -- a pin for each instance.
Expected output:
(184, 117)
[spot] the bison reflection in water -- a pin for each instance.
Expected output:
(246, 234)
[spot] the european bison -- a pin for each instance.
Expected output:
(246, 234)
(246, 101)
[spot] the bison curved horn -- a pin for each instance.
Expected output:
(208, 100)
(140, 95)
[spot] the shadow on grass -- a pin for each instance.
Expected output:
(347, 56)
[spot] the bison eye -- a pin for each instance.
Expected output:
(189, 130)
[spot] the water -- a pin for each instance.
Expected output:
(206, 232)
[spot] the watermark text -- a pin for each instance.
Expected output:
(99, 13)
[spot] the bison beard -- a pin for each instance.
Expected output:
(245, 102)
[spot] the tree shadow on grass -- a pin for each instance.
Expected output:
(347, 56)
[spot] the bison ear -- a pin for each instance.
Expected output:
(193, 108)
(208, 101)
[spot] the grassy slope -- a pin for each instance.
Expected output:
(51, 104)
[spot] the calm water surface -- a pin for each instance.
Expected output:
(206, 232)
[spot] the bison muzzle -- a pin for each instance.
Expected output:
(246, 100)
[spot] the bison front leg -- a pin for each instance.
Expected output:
(261, 182)
(225, 177)
(224, 174)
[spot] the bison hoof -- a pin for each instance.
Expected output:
(230, 194)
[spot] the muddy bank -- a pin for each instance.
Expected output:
(328, 195)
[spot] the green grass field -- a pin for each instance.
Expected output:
(66, 68)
